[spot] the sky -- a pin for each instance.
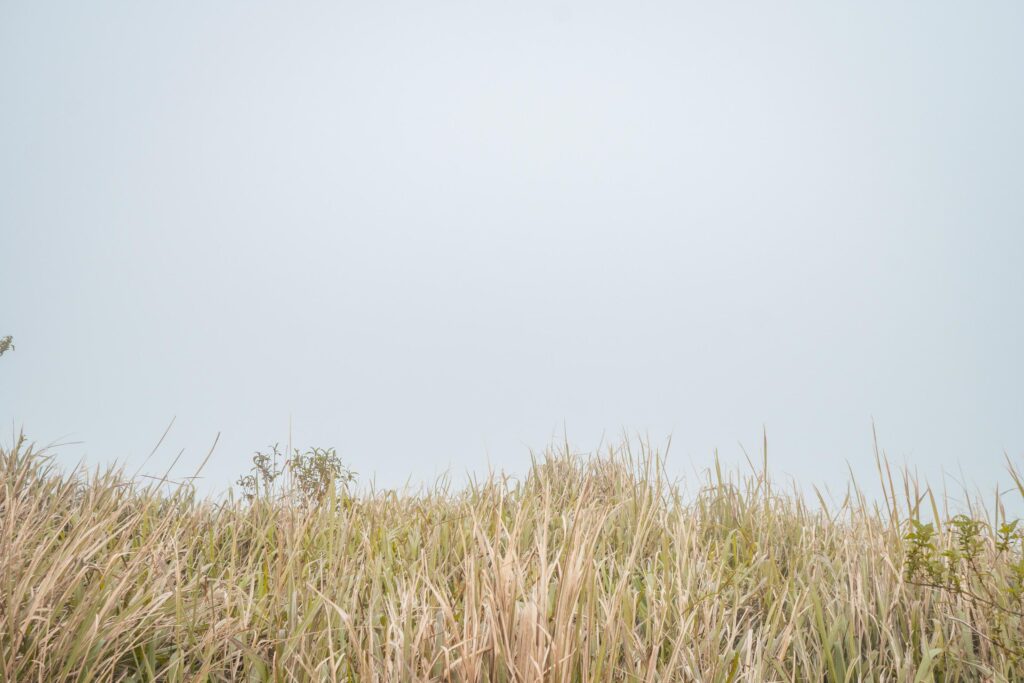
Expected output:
(438, 235)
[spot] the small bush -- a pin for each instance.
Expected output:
(974, 567)
(308, 477)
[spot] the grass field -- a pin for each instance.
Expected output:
(586, 569)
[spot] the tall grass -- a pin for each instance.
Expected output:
(587, 569)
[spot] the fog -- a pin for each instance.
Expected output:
(437, 235)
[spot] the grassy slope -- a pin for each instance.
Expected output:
(587, 570)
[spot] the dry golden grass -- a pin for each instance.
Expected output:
(592, 569)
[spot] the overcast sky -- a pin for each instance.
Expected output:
(433, 234)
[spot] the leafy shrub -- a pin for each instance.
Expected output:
(308, 476)
(974, 566)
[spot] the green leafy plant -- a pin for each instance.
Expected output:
(920, 562)
(972, 566)
(308, 476)
(264, 472)
(6, 344)
(317, 472)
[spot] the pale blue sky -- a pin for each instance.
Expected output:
(433, 233)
